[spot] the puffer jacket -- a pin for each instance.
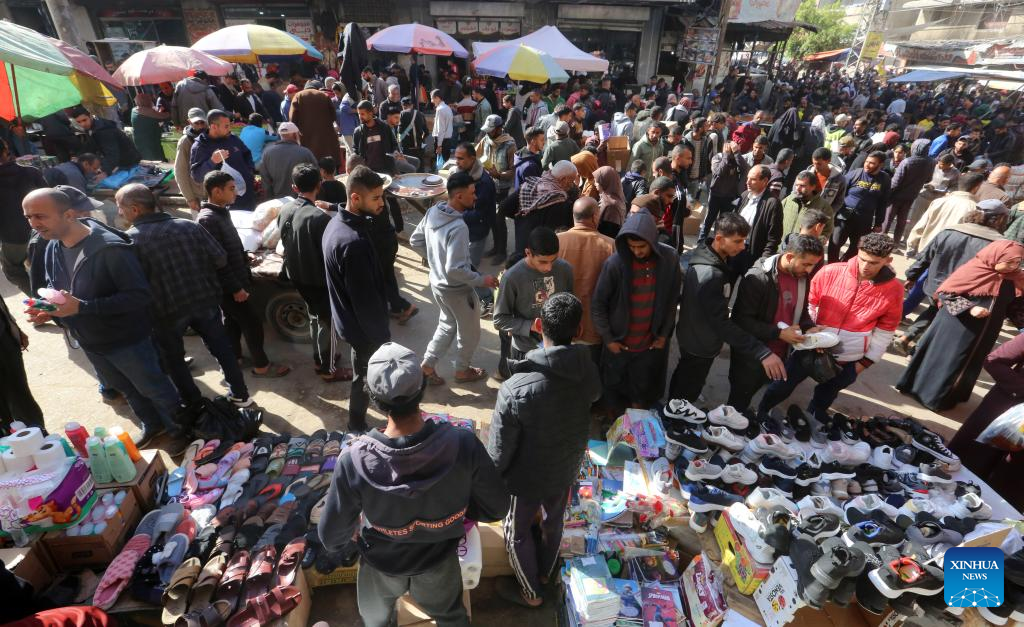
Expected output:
(912, 173)
(864, 314)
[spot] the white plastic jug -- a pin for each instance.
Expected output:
(470, 558)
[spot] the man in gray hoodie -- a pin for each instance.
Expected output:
(442, 237)
(193, 92)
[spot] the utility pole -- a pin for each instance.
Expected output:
(723, 20)
(64, 22)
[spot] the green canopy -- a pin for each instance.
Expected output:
(26, 48)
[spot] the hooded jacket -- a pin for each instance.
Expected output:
(949, 250)
(191, 93)
(200, 163)
(355, 282)
(409, 497)
(622, 125)
(912, 173)
(610, 306)
(110, 282)
(527, 164)
(442, 236)
(647, 152)
(704, 323)
(541, 420)
(191, 189)
(112, 145)
(16, 181)
(864, 314)
(835, 187)
(757, 298)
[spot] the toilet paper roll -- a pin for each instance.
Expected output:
(26, 442)
(49, 456)
(3, 468)
(15, 463)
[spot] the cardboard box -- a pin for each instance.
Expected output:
(410, 613)
(746, 571)
(619, 158)
(691, 224)
(148, 471)
(494, 555)
(31, 563)
(337, 577)
(618, 142)
(779, 604)
(96, 550)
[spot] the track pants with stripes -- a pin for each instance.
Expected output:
(532, 545)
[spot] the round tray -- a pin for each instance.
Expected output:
(411, 186)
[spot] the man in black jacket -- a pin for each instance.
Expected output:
(538, 437)
(763, 213)
(773, 291)
(218, 147)
(704, 323)
(105, 139)
(355, 282)
(248, 101)
(412, 130)
(373, 140)
(407, 489)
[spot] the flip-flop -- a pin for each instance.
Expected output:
(478, 374)
(219, 477)
(207, 453)
(267, 608)
(171, 557)
(274, 371)
(277, 459)
(291, 559)
(204, 498)
(234, 489)
(262, 447)
(434, 379)
(249, 532)
(170, 515)
(508, 589)
(315, 448)
(403, 318)
(269, 537)
(317, 511)
(175, 597)
(230, 586)
(119, 572)
(203, 545)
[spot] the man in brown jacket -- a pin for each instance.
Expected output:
(314, 114)
(586, 251)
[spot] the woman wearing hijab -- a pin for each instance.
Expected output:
(786, 132)
(146, 127)
(973, 302)
(586, 163)
(610, 200)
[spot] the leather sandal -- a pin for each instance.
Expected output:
(275, 604)
(175, 597)
(291, 559)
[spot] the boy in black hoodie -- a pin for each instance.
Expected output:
(407, 489)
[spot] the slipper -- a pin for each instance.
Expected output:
(119, 572)
(508, 589)
(177, 478)
(187, 527)
(87, 584)
(315, 448)
(203, 545)
(170, 516)
(253, 486)
(269, 537)
(261, 571)
(267, 608)
(476, 375)
(282, 512)
(291, 559)
(403, 318)
(225, 541)
(230, 586)
(295, 528)
(147, 526)
(175, 597)
(297, 446)
(207, 581)
(234, 489)
(206, 454)
(318, 510)
(203, 516)
(434, 379)
(226, 516)
(171, 557)
(210, 616)
(204, 498)
(277, 459)
(274, 371)
(270, 493)
(219, 477)
(249, 532)
(261, 454)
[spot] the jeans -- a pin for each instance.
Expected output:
(359, 399)
(824, 393)
(135, 371)
(915, 295)
(716, 206)
(476, 256)
(438, 591)
(529, 560)
(170, 341)
(12, 263)
(459, 321)
(241, 319)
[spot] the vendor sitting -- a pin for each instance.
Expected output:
(105, 139)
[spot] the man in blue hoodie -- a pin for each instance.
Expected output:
(218, 147)
(106, 308)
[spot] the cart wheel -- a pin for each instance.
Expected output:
(288, 316)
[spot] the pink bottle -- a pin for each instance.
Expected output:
(77, 434)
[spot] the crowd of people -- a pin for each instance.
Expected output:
(805, 197)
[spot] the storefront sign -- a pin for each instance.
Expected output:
(872, 44)
(489, 27)
(468, 27)
(199, 23)
(698, 45)
(302, 28)
(510, 28)
(447, 26)
(938, 55)
(746, 11)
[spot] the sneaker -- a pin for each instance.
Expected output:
(964, 487)
(963, 526)
(928, 532)
(702, 470)
(738, 473)
(727, 416)
(881, 457)
(853, 489)
(486, 310)
(889, 483)
(911, 481)
(837, 562)
(751, 531)
(932, 444)
(777, 523)
(933, 474)
(838, 487)
(720, 436)
(806, 474)
(832, 470)
(906, 575)
(997, 615)
(145, 436)
(844, 426)
(240, 402)
(875, 531)
(681, 409)
(819, 526)
(855, 454)
(905, 454)
(779, 428)
(699, 521)
(810, 505)
(770, 444)
(705, 498)
(772, 465)
(912, 509)
(805, 553)
(970, 505)
(679, 434)
(770, 497)
(799, 422)
(786, 486)
(819, 438)
(864, 507)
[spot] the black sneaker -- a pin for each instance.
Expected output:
(678, 433)
(875, 531)
(777, 531)
(804, 554)
(778, 427)
(832, 470)
(847, 434)
(799, 422)
(1013, 568)
(966, 487)
(772, 465)
(932, 444)
(868, 596)
(807, 474)
(786, 486)
(889, 482)
(963, 526)
(899, 576)
(820, 526)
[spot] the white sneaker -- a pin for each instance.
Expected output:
(699, 521)
(768, 497)
(881, 457)
(681, 409)
(858, 453)
(810, 505)
(738, 473)
(912, 506)
(750, 530)
(720, 436)
(727, 416)
(970, 505)
(868, 503)
(702, 470)
(768, 444)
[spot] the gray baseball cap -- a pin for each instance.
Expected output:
(79, 201)
(492, 122)
(993, 207)
(195, 114)
(393, 374)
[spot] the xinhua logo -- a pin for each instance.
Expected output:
(973, 577)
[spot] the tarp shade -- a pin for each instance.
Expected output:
(828, 54)
(926, 76)
(551, 40)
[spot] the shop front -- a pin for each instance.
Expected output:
(164, 25)
(470, 21)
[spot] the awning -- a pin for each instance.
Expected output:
(828, 54)
(926, 76)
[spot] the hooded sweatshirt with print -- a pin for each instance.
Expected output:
(443, 238)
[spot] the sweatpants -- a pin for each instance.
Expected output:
(438, 591)
(459, 321)
(529, 560)
(717, 205)
(359, 398)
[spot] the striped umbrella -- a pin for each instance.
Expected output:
(253, 43)
(520, 63)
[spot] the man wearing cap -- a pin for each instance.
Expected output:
(286, 104)
(407, 490)
(562, 148)
(191, 189)
(560, 114)
(280, 159)
(945, 212)
(314, 114)
(190, 94)
(496, 152)
(844, 157)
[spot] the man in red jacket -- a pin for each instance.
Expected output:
(859, 300)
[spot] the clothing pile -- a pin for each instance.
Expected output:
(864, 508)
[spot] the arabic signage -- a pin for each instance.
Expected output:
(938, 55)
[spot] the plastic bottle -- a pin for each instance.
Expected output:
(77, 434)
(17, 426)
(126, 440)
(98, 463)
(100, 432)
(121, 466)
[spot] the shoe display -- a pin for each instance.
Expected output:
(906, 454)
(832, 470)
(806, 474)
(905, 575)
(932, 473)
(772, 465)
(932, 444)
(770, 444)
(818, 505)
(702, 470)
(681, 435)
(721, 436)
(705, 498)
(777, 531)
(736, 472)
(727, 416)
(963, 487)
(928, 532)
(837, 562)
(863, 507)
(751, 531)
(681, 409)
(881, 457)
(889, 482)
(805, 553)
(698, 521)
(874, 531)
(779, 428)
(818, 526)
(970, 505)
(845, 429)
(770, 497)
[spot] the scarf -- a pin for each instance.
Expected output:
(978, 277)
(487, 148)
(611, 200)
(586, 163)
(476, 171)
(538, 192)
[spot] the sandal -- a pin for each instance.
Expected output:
(315, 448)
(210, 616)
(433, 378)
(291, 558)
(475, 375)
(277, 459)
(338, 376)
(261, 454)
(274, 371)
(225, 541)
(209, 578)
(206, 454)
(261, 571)
(175, 597)
(403, 318)
(230, 587)
(265, 609)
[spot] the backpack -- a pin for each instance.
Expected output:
(219, 419)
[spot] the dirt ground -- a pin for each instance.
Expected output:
(302, 403)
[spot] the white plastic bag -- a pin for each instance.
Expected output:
(1007, 431)
(240, 187)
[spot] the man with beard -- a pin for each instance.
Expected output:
(497, 151)
(805, 197)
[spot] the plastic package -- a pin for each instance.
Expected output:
(1007, 431)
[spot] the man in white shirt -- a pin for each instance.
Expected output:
(443, 121)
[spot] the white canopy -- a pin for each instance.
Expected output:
(551, 40)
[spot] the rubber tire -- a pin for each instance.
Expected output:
(287, 315)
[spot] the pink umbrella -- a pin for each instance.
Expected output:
(167, 64)
(84, 63)
(408, 38)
